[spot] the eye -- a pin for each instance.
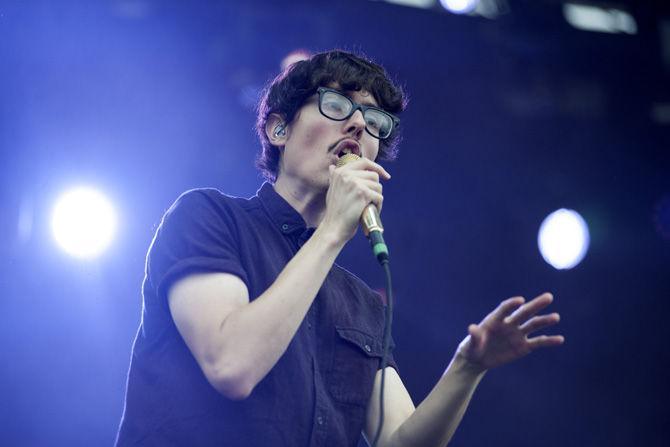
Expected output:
(334, 105)
(377, 122)
(373, 123)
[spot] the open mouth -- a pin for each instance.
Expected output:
(347, 146)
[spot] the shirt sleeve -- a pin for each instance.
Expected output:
(197, 234)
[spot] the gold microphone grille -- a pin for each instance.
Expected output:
(346, 158)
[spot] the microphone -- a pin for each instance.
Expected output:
(370, 221)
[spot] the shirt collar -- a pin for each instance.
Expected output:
(282, 214)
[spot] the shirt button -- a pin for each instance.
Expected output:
(309, 325)
(319, 420)
(368, 348)
(284, 227)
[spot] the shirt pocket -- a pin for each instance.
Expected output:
(356, 359)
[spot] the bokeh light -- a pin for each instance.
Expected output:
(563, 239)
(459, 6)
(83, 222)
(295, 56)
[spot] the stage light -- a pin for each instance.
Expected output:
(83, 222)
(595, 18)
(295, 56)
(563, 239)
(459, 6)
(424, 4)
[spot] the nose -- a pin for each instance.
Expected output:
(355, 124)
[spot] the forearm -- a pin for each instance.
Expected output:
(255, 336)
(435, 420)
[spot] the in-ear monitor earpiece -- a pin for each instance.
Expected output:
(280, 130)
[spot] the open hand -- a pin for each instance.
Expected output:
(503, 336)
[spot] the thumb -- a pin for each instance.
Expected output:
(475, 336)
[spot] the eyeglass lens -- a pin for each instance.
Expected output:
(338, 107)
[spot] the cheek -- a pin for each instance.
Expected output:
(372, 149)
(316, 135)
(376, 152)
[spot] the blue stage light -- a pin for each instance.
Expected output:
(563, 239)
(83, 222)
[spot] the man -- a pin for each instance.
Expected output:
(251, 335)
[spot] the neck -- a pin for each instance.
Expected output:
(310, 203)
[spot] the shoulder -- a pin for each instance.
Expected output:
(203, 230)
(209, 198)
(199, 218)
(207, 203)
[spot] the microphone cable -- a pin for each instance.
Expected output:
(388, 320)
(373, 229)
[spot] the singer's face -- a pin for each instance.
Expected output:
(314, 141)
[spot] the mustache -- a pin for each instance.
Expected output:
(334, 145)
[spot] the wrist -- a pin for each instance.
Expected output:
(329, 237)
(332, 233)
(466, 367)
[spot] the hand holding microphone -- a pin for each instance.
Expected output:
(370, 220)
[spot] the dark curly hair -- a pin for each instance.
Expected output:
(289, 90)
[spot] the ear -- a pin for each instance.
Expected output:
(274, 124)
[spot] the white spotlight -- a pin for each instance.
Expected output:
(594, 18)
(563, 239)
(83, 222)
(459, 6)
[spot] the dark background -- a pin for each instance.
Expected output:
(509, 120)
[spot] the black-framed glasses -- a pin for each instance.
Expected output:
(339, 107)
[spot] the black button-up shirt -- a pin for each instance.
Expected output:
(316, 394)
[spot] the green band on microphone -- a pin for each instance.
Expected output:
(379, 247)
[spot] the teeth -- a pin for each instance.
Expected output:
(347, 149)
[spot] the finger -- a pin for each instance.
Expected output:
(545, 341)
(529, 309)
(370, 176)
(375, 198)
(539, 322)
(375, 186)
(370, 165)
(360, 175)
(507, 307)
(475, 336)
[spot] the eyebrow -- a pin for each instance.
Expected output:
(368, 103)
